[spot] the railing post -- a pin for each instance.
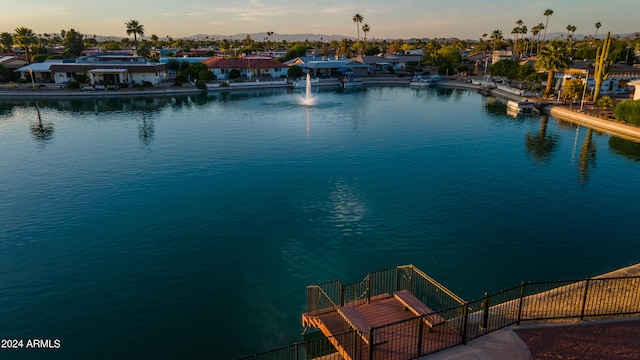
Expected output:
(297, 356)
(396, 280)
(465, 315)
(341, 296)
(584, 299)
(371, 342)
(520, 304)
(355, 344)
(369, 288)
(420, 329)
(485, 310)
(411, 281)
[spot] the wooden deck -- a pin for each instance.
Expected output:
(399, 339)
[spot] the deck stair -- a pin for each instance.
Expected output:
(356, 320)
(411, 303)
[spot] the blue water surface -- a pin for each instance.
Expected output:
(189, 227)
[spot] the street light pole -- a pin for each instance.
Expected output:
(584, 90)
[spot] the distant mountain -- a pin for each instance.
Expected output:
(563, 35)
(262, 36)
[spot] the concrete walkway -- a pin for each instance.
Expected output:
(503, 344)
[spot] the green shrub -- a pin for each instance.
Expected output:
(628, 111)
(147, 84)
(295, 71)
(445, 70)
(39, 58)
(604, 102)
(181, 77)
(206, 75)
(73, 85)
(123, 85)
(201, 85)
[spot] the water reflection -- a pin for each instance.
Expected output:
(308, 121)
(587, 159)
(145, 131)
(41, 130)
(541, 145)
(625, 148)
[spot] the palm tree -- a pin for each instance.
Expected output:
(344, 48)
(569, 28)
(523, 32)
(553, 58)
(496, 37)
(135, 28)
(6, 40)
(598, 25)
(365, 30)
(520, 28)
(540, 27)
(515, 32)
(357, 18)
(547, 13)
(25, 37)
(535, 31)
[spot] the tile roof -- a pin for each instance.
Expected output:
(242, 63)
(84, 67)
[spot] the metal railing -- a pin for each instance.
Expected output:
(591, 298)
(324, 297)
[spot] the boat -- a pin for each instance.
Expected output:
(302, 82)
(522, 107)
(420, 81)
(349, 80)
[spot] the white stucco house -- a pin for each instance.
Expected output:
(636, 85)
(99, 69)
(617, 82)
(249, 67)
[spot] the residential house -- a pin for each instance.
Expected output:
(392, 62)
(501, 55)
(336, 68)
(12, 61)
(249, 67)
(98, 69)
(303, 60)
(616, 83)
(38, 72)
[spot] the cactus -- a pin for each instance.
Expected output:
(602, 66)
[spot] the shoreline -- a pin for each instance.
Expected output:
(625, 131)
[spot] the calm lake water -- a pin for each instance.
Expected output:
(189, 227)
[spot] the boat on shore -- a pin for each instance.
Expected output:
(302, 82)
(349, 80)
(420, 81)
(522, 107)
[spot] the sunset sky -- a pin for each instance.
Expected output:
(466, 19)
